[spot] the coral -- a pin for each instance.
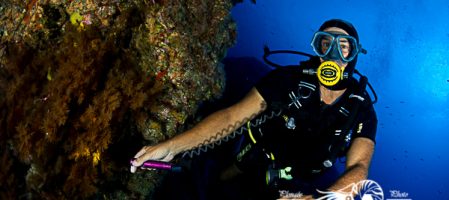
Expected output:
(84, 84)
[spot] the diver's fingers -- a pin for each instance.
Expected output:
(141, 152)
(137, 157)
(149, 153)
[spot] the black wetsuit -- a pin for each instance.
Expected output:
(304, 132)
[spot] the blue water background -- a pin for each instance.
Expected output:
(407, 63)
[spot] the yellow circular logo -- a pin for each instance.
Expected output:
(329, 73)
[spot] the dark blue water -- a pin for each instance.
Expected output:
(407, 63)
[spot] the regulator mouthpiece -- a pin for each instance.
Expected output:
(330, 74)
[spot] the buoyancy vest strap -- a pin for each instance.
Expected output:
(251, 136)
(250, 133)
(350, 122)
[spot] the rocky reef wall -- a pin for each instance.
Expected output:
(85, 83)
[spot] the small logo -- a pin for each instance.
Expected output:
(285, 194)
(364, 190)
(398, 195)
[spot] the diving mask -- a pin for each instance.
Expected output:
(335, 46)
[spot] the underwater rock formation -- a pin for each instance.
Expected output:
(84, 84)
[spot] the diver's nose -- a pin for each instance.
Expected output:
(338, 61)
(333, 54)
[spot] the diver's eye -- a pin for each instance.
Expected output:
(345, 50)
(345, 47)
(325, 45)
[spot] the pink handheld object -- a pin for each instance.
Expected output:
(154, 164)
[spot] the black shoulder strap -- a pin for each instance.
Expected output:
(339, 141)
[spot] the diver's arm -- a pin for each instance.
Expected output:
(220, 123)
(358, 161)
(211, 129)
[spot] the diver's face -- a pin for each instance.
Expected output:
(344, 45)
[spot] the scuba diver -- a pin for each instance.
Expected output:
(298, 121)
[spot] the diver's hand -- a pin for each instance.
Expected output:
(308, 197)
(160, 152)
